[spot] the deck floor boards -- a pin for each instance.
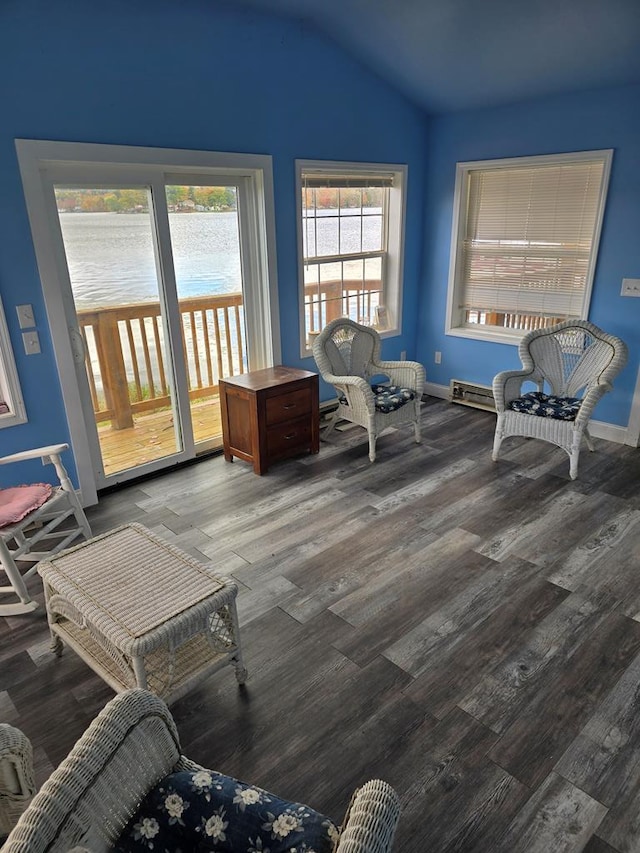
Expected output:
(153, 436)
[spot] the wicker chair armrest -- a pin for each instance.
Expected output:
(353, 381)
(592, 396)
(507, 385)
(371, 820)
(90, 797)
(187, 765)
(354, 386)
(407, 374)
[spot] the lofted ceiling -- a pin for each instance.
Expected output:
(450, 55)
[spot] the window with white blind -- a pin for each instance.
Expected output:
(350, 235)
(524, 243)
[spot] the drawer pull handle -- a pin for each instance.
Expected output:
(290, 436)
(289, 406)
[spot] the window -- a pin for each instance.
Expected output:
(351, 219)
(12, 411)
(524, 243)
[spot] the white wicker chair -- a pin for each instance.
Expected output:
(127, 749)
(41, 533)
(348, 357)
(17, 785)
(574, 360)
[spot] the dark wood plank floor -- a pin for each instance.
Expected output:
(468, 631)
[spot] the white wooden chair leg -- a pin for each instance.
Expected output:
(16, 586)
(372, 447)
(573, 464)
(497, 441)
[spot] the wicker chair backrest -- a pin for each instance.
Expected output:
(349, 348)
(573, 356)
(89, 799)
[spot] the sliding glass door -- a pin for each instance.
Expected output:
(113, 256)
(205, 243)
(165, 288)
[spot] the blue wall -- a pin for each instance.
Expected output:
(589, 121)
(201, 74)
(193, 74)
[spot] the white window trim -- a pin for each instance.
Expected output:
(39, 160)
(512, 336)
(9, 382)
(394, 262)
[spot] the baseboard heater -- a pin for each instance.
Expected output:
(470, 394)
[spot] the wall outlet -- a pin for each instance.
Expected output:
(31, 342)
(25, 316)
(403, 355)
(437, 357)
(630, 287)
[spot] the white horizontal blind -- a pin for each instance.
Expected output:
(529, 234)
(364, 180)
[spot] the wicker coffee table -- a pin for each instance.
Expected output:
(141, 612)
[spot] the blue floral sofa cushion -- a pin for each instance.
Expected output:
(203, 811)
(388, 398)
(546, 406)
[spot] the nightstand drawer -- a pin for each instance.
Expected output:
(290, 437)
(288, 407)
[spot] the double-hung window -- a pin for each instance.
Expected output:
(524, 243)
(350, 224)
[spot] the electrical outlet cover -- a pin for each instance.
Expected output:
(25, 316)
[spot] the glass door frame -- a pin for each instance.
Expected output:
(45, 164)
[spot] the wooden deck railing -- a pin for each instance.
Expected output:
(125, 354)
(522, 322)
(126, 358)
(356, 299)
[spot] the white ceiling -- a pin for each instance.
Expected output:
(457, 54)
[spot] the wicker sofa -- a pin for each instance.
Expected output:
(132, 744)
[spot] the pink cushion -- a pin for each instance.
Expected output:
(19, 501)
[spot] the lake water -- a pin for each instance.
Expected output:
(111, 258)
(111, 261)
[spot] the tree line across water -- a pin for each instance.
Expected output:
(137, 200)
(184, 199)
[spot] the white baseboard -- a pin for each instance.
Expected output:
(610, 432)
(598, 429)
(433, 390)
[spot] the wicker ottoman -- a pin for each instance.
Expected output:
(141, 612)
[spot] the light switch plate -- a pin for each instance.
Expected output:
(31, 342)
(630, 287)
(25, 316)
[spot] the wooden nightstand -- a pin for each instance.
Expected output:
(269, 415)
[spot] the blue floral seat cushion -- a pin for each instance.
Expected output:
(546, 406)
(203, 811)
(388, 398)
